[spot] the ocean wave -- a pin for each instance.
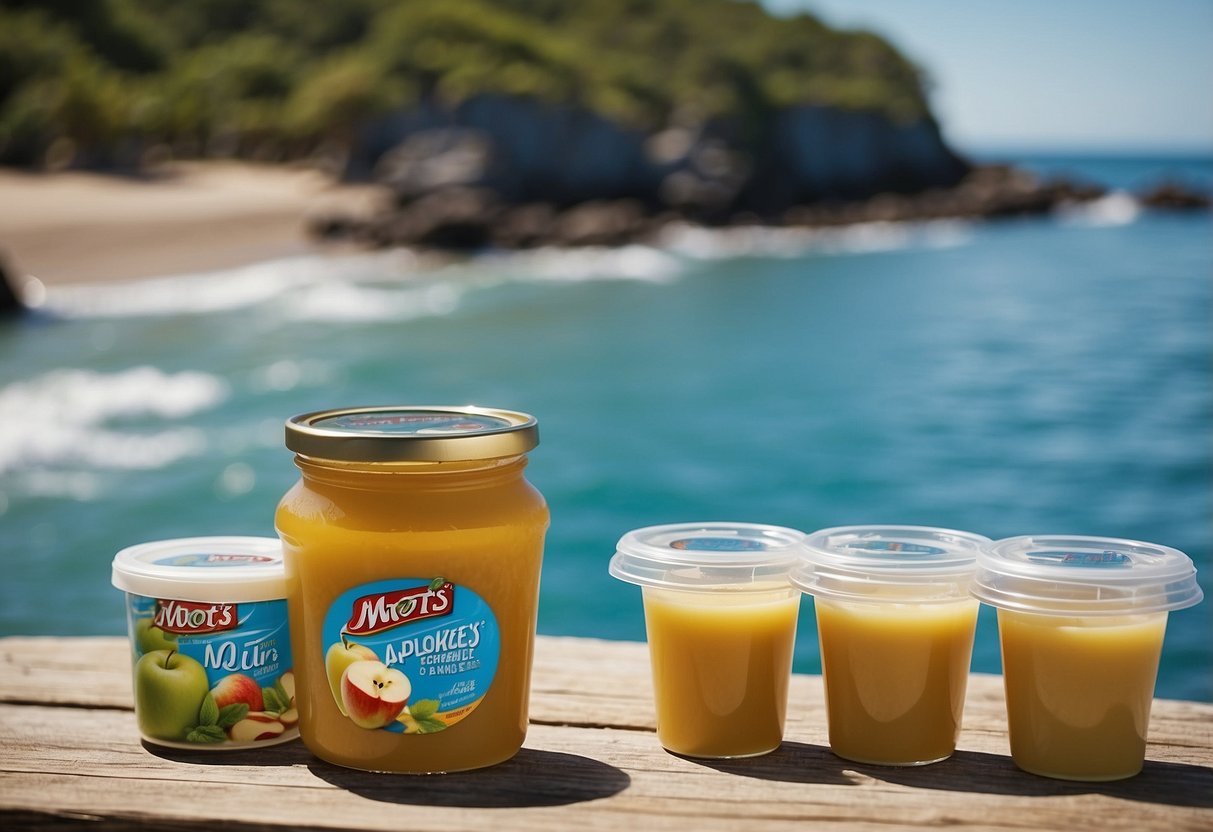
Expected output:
(350, 302)
(1113, 209)
(781, 242)
(576, 265)
(225, 290)
(400, 285)
(60, 419)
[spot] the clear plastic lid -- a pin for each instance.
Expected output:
(888, 563)
(1074, 575)
(207, 569)
(707, 556)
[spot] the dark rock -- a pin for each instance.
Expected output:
(10, 299)
(1174, 196)
(525, 226)
(601, 223)
(435, 159)
(456, 218)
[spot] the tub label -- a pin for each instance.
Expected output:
(1102, 560)
(410, 655)
(718, 544)
(212, 674)
(894, 547)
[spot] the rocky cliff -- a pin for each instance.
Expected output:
(524, 150)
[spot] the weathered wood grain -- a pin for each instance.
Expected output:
(70, 755)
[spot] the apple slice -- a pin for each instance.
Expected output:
(341, 654)
(256, 727)
(373, 693)
(287, 680)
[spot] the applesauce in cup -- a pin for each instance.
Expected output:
(1081, 623)
(895, 623)
(413, 546)
(210, 645)
(721, 623)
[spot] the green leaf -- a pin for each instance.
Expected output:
(423, 709)
(283, 696)
(430, 725)
(206, 734)
(272, 701)
(437, 583)
(208, 714)
(229, 715)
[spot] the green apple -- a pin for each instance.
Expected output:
(340, 655)
(149, 637)
(169, 689)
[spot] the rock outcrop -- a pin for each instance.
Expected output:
(514, 173)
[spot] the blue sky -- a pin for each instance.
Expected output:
(1066, 74)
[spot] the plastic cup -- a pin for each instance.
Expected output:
(895, 621)
(1081, 622)
(721, 622)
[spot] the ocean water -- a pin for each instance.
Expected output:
(1048, 375)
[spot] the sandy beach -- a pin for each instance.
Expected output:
(75, 227)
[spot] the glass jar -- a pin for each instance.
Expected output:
(413, 546)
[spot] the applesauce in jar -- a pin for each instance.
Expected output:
(413, 546)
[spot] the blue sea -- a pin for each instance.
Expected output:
(1047, 375)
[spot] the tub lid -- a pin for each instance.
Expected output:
(888, 563)
(711, 555)
(406, 433)
(208, 569)
(1078, 575)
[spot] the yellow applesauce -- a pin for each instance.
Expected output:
(1079, 691)
(721, 666)
(896, 623)
(895, 677)
(413, 546)
(721, 622)
(1081, 620)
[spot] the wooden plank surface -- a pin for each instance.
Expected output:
(70, 754)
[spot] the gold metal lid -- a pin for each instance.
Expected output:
(411, 434)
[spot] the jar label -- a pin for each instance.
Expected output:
(212, 675)
(409, 655)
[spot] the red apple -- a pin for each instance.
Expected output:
(373, 693)
(238, 688)
(256, 727)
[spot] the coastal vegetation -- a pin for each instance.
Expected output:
(105, 82)
(508, 123)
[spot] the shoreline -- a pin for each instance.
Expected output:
(80, 227)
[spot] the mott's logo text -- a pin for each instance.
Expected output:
(385, 610)
(194, 617)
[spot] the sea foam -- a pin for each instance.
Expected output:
(62, 419)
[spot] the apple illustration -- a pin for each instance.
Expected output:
(149, 637)
(287, 681)
(289, 717)
(238, 688)
(169, 688)
(256, 727)
(373, 693)
(340, 656)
